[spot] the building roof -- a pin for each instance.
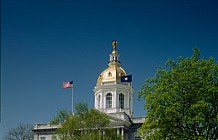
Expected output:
(114, 70)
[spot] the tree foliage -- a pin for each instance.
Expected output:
(182, 101)
(21, 132)
(60, 117)
(85, 124)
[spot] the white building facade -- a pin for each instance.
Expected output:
(113, 96)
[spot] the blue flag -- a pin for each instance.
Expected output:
(127, 78)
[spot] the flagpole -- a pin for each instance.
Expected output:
(72, 102)
(69, 85)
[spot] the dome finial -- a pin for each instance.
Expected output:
(114, 45)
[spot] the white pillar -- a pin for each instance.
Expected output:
(114, 100)
(122, 133)
(118, 131)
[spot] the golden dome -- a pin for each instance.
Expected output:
(113, 73)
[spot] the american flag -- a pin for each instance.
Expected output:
(67, 84)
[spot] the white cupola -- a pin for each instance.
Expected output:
(111, 95)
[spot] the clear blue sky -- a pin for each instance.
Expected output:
(46, 42)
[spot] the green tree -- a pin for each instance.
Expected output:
(60, 117)
(182, 101)
(85, 124)
(21, 132)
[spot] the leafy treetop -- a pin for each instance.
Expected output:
(182, 101)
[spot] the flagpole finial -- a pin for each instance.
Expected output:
(114, 45)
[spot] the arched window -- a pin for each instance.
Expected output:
(121, 101)
(109, 74)
(99, 101)
(109, 100)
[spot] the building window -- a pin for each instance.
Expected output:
(109, 100)
(121, 101)
(109, 74)
(42, 138)
(99, 101)
(115, 58)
